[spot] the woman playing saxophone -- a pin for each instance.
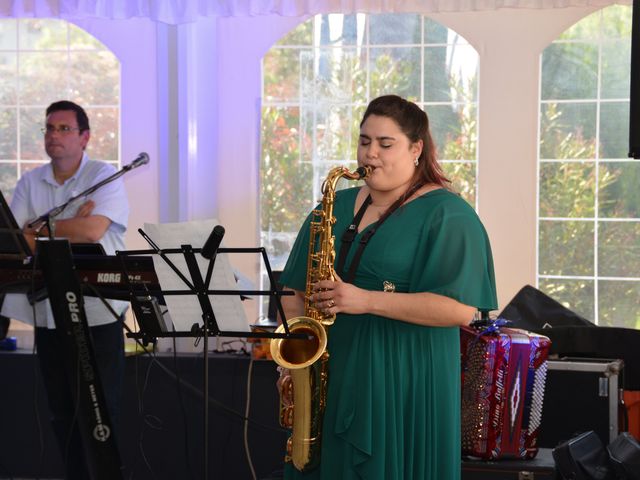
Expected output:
(413, 262)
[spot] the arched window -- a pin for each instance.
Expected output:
(42, 61)
(317, 81)
(589, 201)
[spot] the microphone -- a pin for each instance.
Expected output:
(142, 159)
(213, 242)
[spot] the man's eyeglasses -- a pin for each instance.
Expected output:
(62, 129)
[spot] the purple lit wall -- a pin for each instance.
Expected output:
(135, 46)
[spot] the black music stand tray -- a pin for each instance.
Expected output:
(200, 288)
(12, 241)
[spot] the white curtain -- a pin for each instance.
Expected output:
(184, 11)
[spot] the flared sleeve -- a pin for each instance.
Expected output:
(455, 258)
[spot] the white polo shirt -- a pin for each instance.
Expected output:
(38, 192)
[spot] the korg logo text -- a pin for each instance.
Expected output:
(109, 278)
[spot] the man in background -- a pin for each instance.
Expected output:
(100, 218)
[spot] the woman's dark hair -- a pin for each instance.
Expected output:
(65, 105)
(414, 123)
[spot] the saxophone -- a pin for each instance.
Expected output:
(303, 392)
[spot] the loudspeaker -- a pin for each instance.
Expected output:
(531, 309)
(624, 453)
(583, 458)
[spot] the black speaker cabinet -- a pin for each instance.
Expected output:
(542, 467)
(624, 453)
(580, 395)
(583, 458)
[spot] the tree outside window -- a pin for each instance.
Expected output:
(318, 80)
(589, 202)
(42, 61)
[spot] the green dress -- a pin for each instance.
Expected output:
(393, 401)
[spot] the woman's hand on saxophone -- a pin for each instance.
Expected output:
(339, 297)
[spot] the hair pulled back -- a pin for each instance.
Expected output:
(414, 123)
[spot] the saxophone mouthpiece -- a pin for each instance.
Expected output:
(364, 172)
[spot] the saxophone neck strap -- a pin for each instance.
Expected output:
(347, 240)
(350, 234)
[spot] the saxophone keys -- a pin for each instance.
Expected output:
(286, 416)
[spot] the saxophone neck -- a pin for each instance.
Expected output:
(335, 174)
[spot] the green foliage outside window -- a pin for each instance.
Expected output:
(56, 61)
(589, 252)
(314, 95)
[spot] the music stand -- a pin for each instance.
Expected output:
(14, 251)
(12, 242)
(199, 286)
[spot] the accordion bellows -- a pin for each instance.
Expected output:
(503, 378)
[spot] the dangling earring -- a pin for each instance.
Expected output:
(416, 162)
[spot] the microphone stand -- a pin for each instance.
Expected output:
(48, 219)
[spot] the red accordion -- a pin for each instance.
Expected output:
(503, 377)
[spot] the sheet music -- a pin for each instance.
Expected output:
(185, 309)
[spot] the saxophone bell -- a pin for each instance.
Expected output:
(298, 353)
